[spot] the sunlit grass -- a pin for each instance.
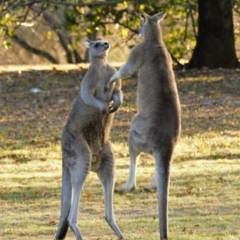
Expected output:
(205, 181)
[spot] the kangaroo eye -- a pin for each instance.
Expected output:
(96, 45)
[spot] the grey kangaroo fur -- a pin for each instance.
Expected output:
(156, 126)
(85, 140)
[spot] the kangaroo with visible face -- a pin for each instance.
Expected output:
(156, 126)
(85, 140)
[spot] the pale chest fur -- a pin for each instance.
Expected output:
(101, 77)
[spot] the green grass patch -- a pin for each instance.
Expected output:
(205, 181)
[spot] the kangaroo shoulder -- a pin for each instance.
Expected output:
(137, 53)
(89, 80)
(138, 49)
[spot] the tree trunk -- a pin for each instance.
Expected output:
(31, 49)
(215, 41)
(65, 38)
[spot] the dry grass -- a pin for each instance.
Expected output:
(205, 180)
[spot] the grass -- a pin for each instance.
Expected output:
(205, 181)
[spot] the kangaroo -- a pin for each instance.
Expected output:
(156, 126)
(85, 140)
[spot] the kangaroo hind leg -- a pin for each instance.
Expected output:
(162, 163)
(79, 169)
(106, 175)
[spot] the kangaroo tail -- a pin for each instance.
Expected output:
(65, 203)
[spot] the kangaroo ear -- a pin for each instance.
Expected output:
(143, 16)
(87, 43)
(159, 16)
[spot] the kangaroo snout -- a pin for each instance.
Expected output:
(106, 45)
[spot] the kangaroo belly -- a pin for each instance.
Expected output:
(93, 133)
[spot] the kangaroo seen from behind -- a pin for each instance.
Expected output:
(85, 140)
(156, 126)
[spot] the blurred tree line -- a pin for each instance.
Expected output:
(198, 33)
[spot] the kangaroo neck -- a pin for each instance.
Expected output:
(153, 34)
(99, 61)
(153, 39)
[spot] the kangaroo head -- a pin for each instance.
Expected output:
(150, 24)
(97, 48)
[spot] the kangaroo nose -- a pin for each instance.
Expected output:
(106, 44)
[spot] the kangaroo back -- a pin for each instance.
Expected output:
(155, 73)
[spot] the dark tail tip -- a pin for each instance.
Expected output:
(62, 231)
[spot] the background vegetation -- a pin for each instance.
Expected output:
(52, 31)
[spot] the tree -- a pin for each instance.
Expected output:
(215, 39)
